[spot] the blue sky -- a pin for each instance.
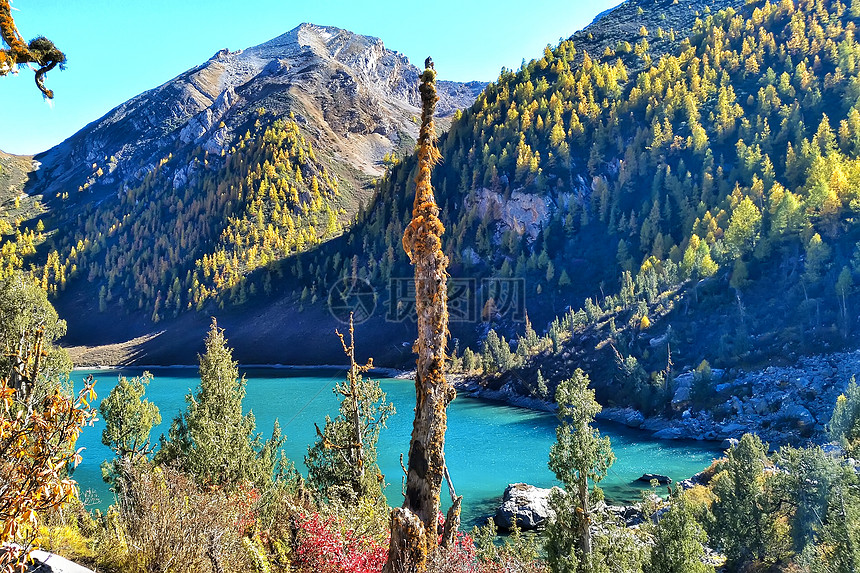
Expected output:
(117, 49)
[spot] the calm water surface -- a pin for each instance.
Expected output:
(487, 446)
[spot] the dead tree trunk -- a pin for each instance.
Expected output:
(357, 446)
(414, 535)
(354, 448)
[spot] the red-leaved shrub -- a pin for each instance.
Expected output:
(322, 547)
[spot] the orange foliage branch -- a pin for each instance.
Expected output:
(37, 443)
(40, 51)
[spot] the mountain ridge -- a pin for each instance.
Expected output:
(486, 170)
(190, 107)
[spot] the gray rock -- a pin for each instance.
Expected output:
(729, 443)
(528, 504)
(53, 563)
(524, 213)
(630, 417)
(669, 434)
(798, 414)
(630, 515)
(656, 424)
(733, 428)
(701, 478)
(833, 449)
(660, 478)
(737, 405)
(659, 341)
(683, 393)
(44, 562)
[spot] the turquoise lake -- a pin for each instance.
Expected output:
(488, 445)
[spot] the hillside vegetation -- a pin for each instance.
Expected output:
(273, 193)
(714, 191)
(666, 184)
(707, 192)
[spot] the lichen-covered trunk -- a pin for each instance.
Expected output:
(414, 535)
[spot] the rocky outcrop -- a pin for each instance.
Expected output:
(628, 515)
(702, 478)
(684, 387)
(526, 504)
(729, 443)
(782, 404)
(529, 505)
(524, 213)
(630, 417)
(507, 394)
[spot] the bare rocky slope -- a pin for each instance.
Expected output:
(355, 99)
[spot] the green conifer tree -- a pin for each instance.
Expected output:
(580, 458)
(678, 543)
(213, 441)
(129, 419)
(743, 524)
(342, 463)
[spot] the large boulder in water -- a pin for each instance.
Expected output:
(659, 478)
(527, 504)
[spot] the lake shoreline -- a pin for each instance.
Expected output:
(699, 426)
(784, 405)
(381, 371)
(298, 399)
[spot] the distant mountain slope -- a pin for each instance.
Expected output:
(687, 189)
(17, 207)
(668, 22)
(498, 227)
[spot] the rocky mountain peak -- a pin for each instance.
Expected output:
(325, 41)
(364, 57)
(354, 98)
